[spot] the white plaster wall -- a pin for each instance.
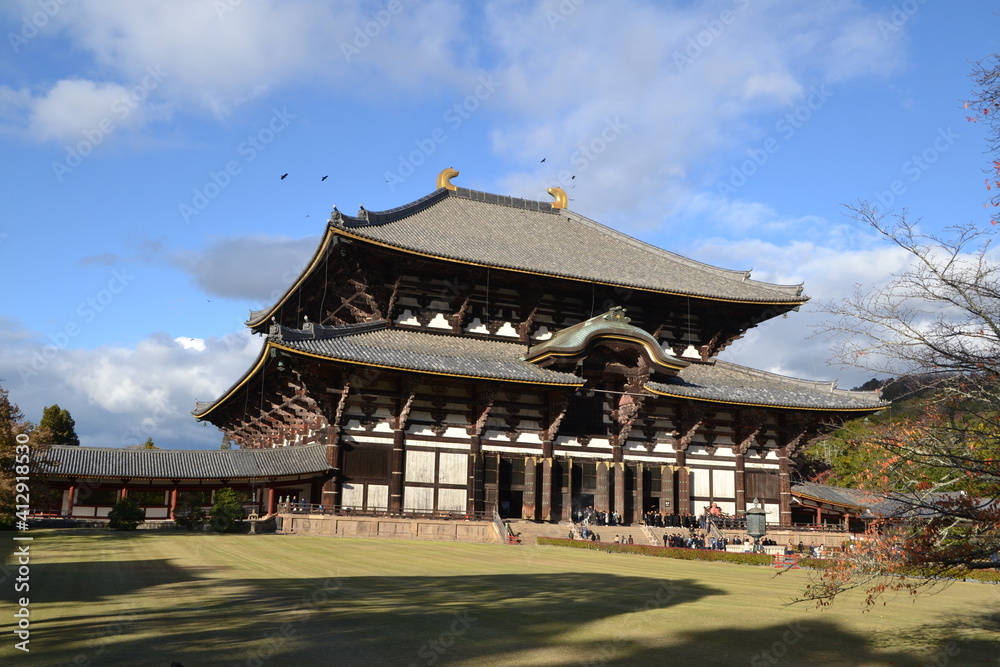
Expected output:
(378, 497)
(451, 500)
(723, 484)
(453, 468)
(418, 498)
(419, 467)
(351, 495)
(700, 482)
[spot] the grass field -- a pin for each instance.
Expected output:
(103, 598)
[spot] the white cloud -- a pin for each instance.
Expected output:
(685, 83)
(119, 396)
(790, 345)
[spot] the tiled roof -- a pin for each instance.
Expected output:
(372, 344)
(504, 232)
(726, 382)
(885, 504)
(836, 495)
(184, 463)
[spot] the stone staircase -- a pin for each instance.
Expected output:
(531, 530)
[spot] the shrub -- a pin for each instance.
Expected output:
(189, 514)
(126, 515)
(227, 513)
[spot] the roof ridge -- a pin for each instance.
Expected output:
(366, 218)
(831, 384)
(313, 331)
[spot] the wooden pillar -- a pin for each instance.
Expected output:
(784, 488)
(819, 516)
(396, 473)
(741, 484)
(620, 489)
(601, 502)
(639, 495)
(668, 504)
(545, 492)
(474, 489)
(529, 507)
(567, 504)
(272, 501)
(72, 497)
(173, 502)
(330, 494)
(683, 483)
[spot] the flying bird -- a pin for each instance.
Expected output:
(284, 176)
(325, 177)
(543, 160)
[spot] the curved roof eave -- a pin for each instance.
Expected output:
(752, 404)
(259, 363)
(329, 240)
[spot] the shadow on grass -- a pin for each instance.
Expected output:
(361, 620)
(564, 618)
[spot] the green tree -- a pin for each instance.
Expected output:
(60, 424)
(126, 515)
(227, 512)
(148, 444)
(189, 513)
(12, 425)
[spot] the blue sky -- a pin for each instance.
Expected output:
(143, 144)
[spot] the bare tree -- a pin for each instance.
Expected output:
(985, 108)
(936, 476)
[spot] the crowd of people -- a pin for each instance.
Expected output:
(700, 541)
(588, 515)
(694, 534)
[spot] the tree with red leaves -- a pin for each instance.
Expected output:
(934, 475)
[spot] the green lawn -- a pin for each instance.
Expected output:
(145, 598)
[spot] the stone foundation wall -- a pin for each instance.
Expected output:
(387, 527)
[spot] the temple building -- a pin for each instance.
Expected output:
(470, 350)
